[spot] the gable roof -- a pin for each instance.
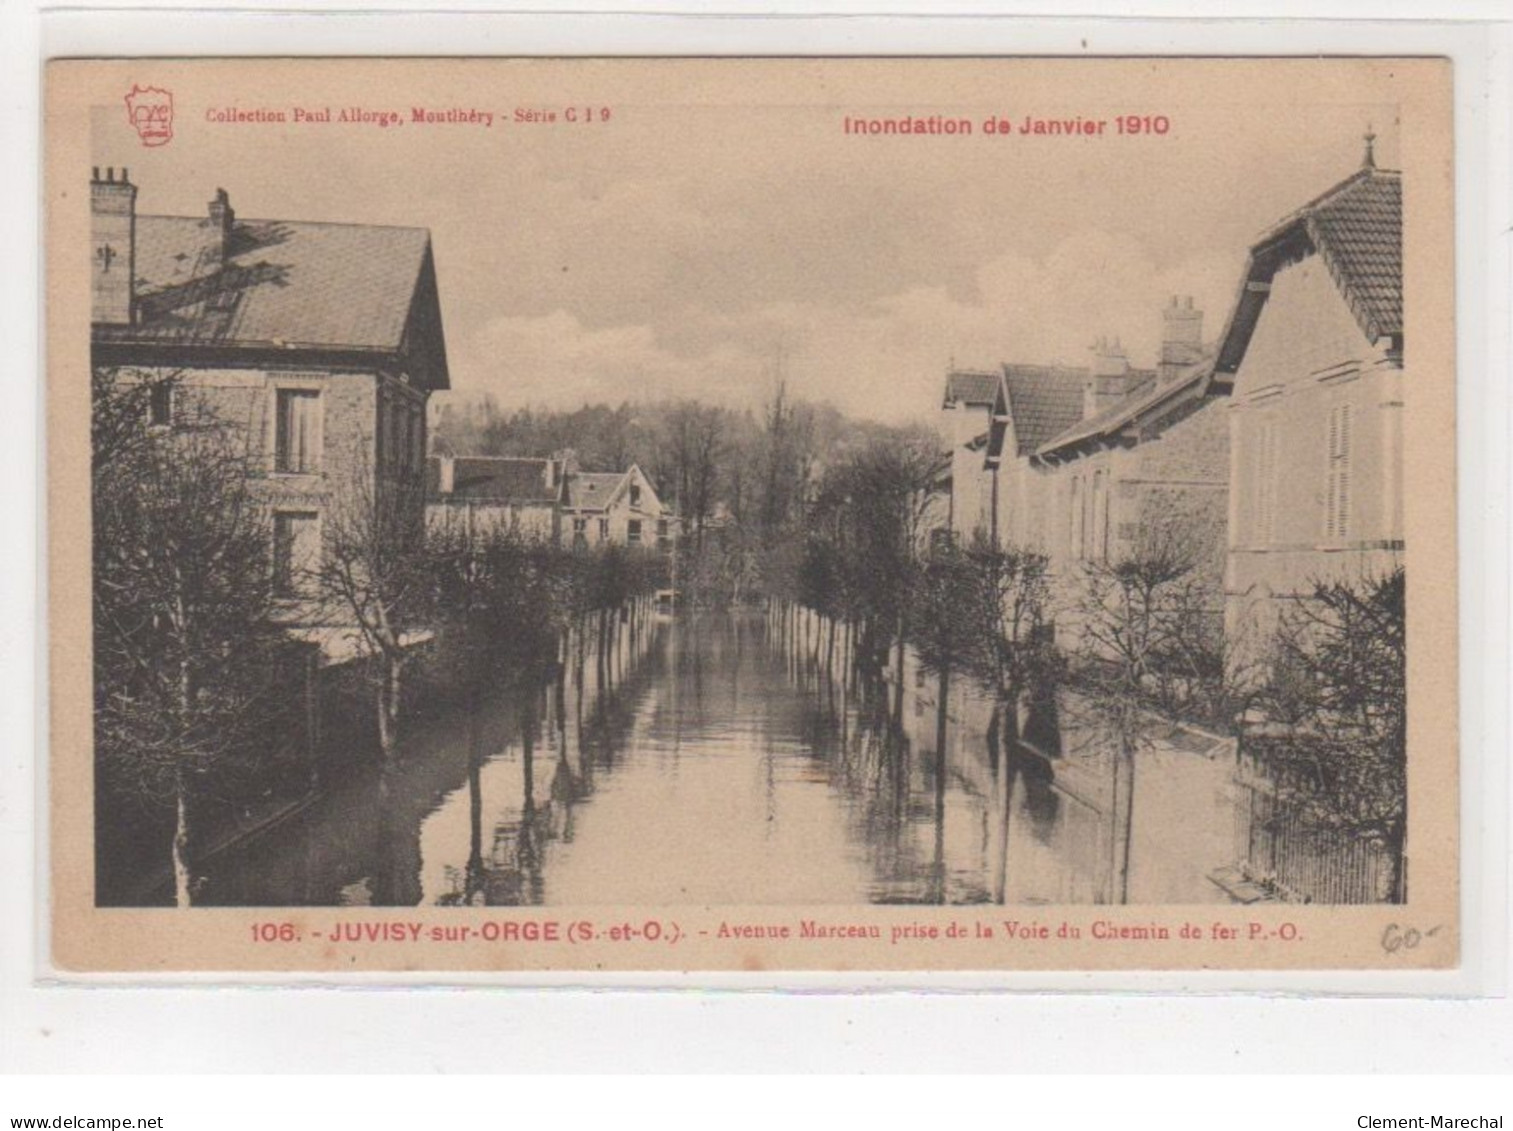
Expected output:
(1147, 399)
(971, 387)
(591, 490)
(286, 285)
(500, 479)
(1356, 228)
(1042, 400)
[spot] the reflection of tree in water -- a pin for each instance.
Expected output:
(513, 869)
(1042, 804)
(850, 726)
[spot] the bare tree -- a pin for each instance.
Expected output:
(1337, 699)
(373, 569)
(1008, 597)
(695, 450)
(183, 646)
(1149, 645)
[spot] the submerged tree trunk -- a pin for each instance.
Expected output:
(1002, 733)
(1126, 754)
(942, 720)
(182, 891)
(388, 704)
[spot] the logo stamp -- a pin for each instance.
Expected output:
(150, 110)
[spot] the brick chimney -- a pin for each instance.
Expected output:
(1108, 381)
(113, 247)
(215, 245)
(1181, 336)
(550, 474)
(567, 461)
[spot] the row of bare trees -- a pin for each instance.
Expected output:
(1139, 638)
(203, 694)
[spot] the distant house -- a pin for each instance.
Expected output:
(314, 345)
(967, 408)
(475, 496)
(1035, 403)
(1314, 348)
(934, 504)
(621, 507)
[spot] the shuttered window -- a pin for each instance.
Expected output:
(297, 442)
(1098, 541)
(1337, 480)
(1264, 478)
(1075, 541)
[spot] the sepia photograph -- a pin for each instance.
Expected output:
(829, 509)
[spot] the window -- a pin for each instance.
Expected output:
(1098, 540)
(664, 535)
(1074, 542)
(1337, 477)
(1264, 486)
(604, 530)
(160, 405)
(393, 443)
(297, 439)
(633, 532)
(635, 494)
(580, 532)
(296, 551)
(407, 455)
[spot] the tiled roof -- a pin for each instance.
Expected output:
(1357, 229)
(499, 479)
(1359, 232)
(590, 490)
(1044, 400)
(971, 388)
(1145, 393)
(284, 284)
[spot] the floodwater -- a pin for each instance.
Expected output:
(718, 759)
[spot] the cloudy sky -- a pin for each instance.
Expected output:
(721, 220)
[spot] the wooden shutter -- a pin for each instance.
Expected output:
(1337, 487)
(1264, 469)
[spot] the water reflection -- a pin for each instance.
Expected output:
(714, 760)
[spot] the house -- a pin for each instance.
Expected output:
(313, 345)
(1035, 403)
(1144, 470)
(618, 507)
(967, 410)
(1314, 351)
(934, 504)
(475, 496)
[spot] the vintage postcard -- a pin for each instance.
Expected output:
(588, 515)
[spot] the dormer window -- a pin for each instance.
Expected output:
(635, 494)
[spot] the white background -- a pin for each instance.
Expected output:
(98, 1028)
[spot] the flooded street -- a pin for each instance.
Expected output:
(711, 760)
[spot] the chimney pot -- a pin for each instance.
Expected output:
(113, 209)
